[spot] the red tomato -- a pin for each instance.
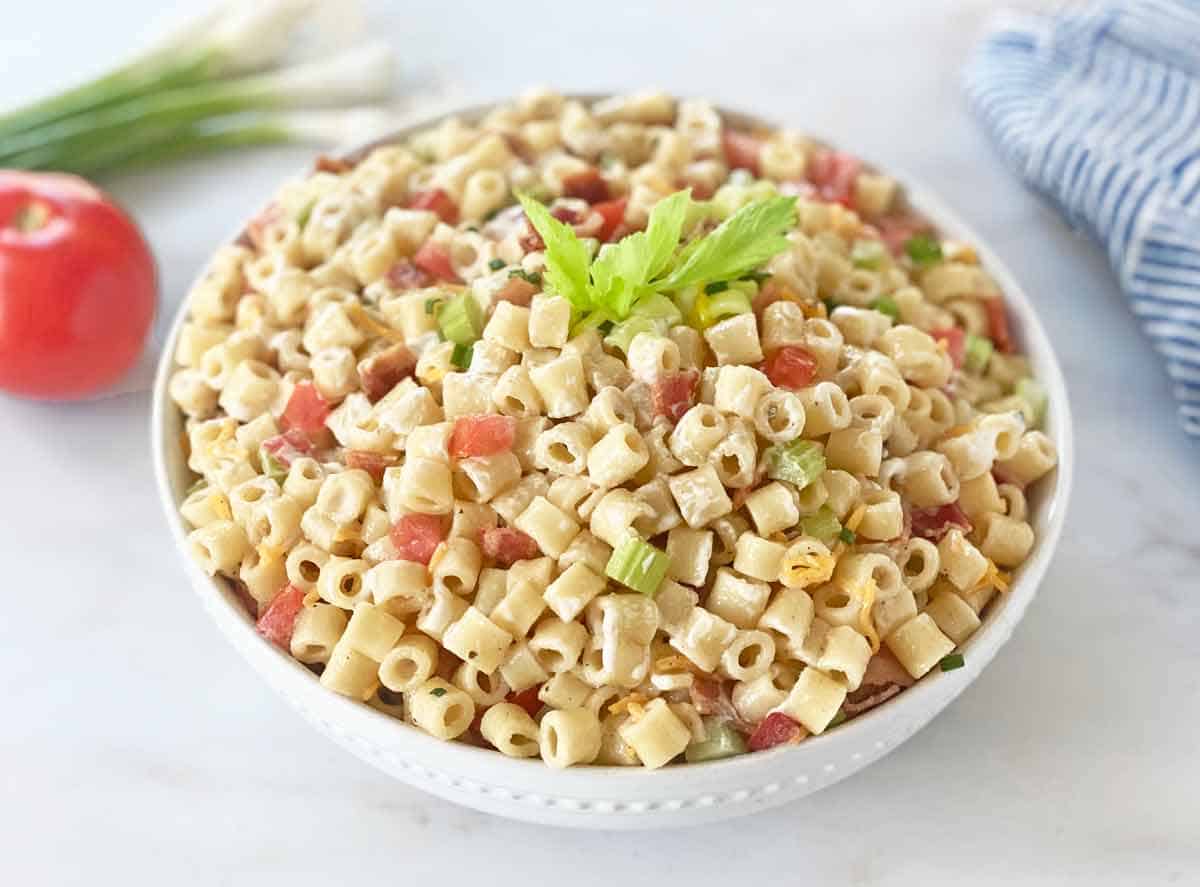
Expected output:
(613, 213)
(586, 185)
(417, 536)
(775, 729)
(672, 394)
(77, 287)
(834, 173)
(506, 546)
(288, 447)
(741, 150)
(372, 463)
(434, 259)
(897, 229)
(934, 523)
(306, 410)
(956, 343)
(404, 275)
(278, 620)
(381, 373)
(437, 201)
(482, 436)
(527, 699)
(998, 330)
(791, 367)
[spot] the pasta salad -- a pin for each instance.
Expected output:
(607, 433)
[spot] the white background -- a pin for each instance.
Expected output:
(136, 748)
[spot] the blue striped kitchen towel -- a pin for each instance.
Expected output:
(1098, 107)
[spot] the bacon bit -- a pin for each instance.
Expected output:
(404, 275)
(279, 619)
(434, 259)
(883, 679)
(267, 216)
(506, 545)
(438, 202)
(626, 703)
(998, 330)
(288, 447)
(587, 185)
(711, 697)
(775, 729)
(527, 699)
(325, 163)
(934, 523)
(384, 371)
(373, 464)
(517, 290)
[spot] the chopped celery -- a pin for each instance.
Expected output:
(887, 305)
(977, 352)
(658, 307)
(721, 740)
(839, 718)
(1032, 392)
(626, 331)
(951, 662)
(272, 467)
(799, 463)
(461, 320)
(868, 254)
(923, 250)
(461, 356)
(638, 565)
(708, 310)
(823, 525)
(847, 535)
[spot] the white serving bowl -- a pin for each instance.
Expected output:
(632, 798)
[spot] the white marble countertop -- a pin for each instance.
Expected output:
(139, 749)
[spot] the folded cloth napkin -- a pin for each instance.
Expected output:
(1098, 107)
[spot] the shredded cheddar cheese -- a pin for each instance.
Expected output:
(852, 524)
(361, 317)
(865, 594)
(673, 663)
(627, 704)
(994, 578)
(808, 569)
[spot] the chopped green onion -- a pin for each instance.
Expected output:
(623, 333)
(461, 319)
(822, 525)
(977, 352)
(758, 277)
(431, 305)
(951, 662)
(717, 287)
(638, 565)
(1032, 392)
(839, 718)
(847, 535)
(496, 264)
(272, 467)
(439, 692)
(830, 305)
(799, 463)
(886, 305)
(606, 327)
(923, 250)
(535, 278)
(868, 254)
(461, 356)
(721, 740)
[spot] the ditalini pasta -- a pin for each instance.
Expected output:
(608, 434)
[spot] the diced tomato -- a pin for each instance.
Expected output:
(741, 149)
(436, 201)
(587, 185)
(382, 372)
(527, 699)
(506, 546)
(278, 620)
(775, 729)
(998, 330)
(373, 464)
(288, 447)
(897, 229)
(791, 367)
(834, 173)
(934, 523)
(613, 213)
(306, 410)
(325, 163)
(417, 536)
(482, 436)
(672, 395)
(434, 259)
(517, 290)
(404, 275)
(956, 343)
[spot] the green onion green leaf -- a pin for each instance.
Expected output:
(847, 535)
(496, 264)
(461, 356)
(887, 305)
(717, 287)
(951, 662)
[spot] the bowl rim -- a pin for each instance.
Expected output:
(454, 764)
